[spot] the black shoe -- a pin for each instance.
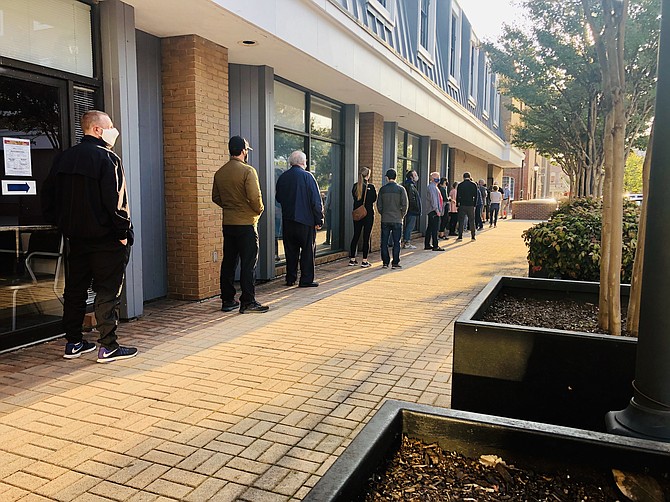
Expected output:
(253, 308)
(438, 248)
(74, 350)
(459, 238)
(229, 305)
(396, 266)
(427, 248)
(473, 238)
(309, 285)
(290, 283)
(385, 265)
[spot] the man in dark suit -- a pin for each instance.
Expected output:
(302, 215)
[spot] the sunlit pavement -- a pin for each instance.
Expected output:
(224, 406)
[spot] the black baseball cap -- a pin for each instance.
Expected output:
(391, 174)
(238, 143)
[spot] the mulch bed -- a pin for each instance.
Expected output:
(556, 313)
(424, 473)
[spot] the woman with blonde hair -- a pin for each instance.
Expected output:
(364, 194)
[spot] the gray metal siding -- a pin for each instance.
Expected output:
(251, 100)
(154, 258)
(403, 38)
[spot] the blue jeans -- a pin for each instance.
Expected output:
(410, 221)
(394, 230)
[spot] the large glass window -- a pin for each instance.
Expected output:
(474, 69)
(51, 33)
(408, 154)
(321, 140)
(455, 45)
(424, 25)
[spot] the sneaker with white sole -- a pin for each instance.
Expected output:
(74, 350)
(366, 264)
(407, 245)
(108, 356)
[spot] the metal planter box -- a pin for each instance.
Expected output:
(554, 376)
(524, 444)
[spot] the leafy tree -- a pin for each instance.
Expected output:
(553, 73)
(632, 176)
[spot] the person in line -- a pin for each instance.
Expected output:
(392, 204)
(496, 197)
(506, 201)
(481, 203)
(414, 211)
(302, 215)
(364, 194)
(237, 192)
(435, 208)
(466, 200)
(453, 210)
(444, 220)
(85, 196)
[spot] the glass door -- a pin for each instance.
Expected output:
(33, 129)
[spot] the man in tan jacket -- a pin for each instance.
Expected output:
(237, 191)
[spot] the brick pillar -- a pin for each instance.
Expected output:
(371, 154)
(195, 134)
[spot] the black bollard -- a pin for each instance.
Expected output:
(648, 414)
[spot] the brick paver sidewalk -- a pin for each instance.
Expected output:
(242, 407)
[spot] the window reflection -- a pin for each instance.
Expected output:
(325, 164)
(289, 107)
(285, 144)
(325, 119)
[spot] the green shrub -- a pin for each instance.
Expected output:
(568, 245)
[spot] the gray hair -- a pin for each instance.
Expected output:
(297, 158)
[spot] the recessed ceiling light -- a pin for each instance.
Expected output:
(248, 43)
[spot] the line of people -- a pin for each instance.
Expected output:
(466, 204)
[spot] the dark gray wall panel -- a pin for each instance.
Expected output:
(154, 259)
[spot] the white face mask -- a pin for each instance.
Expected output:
(109, 136)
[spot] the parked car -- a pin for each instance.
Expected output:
(635, 197)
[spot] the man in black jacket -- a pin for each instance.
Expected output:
(466, 199)
(85, 196)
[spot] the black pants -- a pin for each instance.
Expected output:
(453, 221)
(364, 226)
(102, 263)
(444, 222)
(299, 245)
(479, 223)
(431, 231)
(240, 245)
(464, 211)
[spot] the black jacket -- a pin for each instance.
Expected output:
(413, 197)
(85, 193)
(466, 193)
(370, 198)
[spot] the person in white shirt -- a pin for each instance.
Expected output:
(494, 208)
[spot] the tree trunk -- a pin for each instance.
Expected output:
(606, 231)
(633, 325)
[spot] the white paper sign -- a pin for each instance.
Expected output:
(19, 187)
(17, 157)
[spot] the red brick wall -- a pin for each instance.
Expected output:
(371, 154)
(195, 134)
(536, 209)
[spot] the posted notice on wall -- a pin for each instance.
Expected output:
(17, 157)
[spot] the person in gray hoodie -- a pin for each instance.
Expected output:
(392, 204)
(435, 206)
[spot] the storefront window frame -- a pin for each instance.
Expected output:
(308, 136)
